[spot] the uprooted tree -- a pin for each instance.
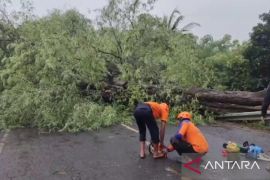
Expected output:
(65, 71)
(228, 101)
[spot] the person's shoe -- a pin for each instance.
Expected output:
(157, 154)
(142, 156)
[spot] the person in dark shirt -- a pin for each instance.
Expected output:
(266, 103)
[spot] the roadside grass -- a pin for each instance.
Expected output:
(257, 125)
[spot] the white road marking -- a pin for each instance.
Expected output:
(3, 141)
(134, 130)
(130, 128)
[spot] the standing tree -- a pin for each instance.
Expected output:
(175, 19)
(258, 53)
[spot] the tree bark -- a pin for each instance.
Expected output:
(228, 97)
(231, 107)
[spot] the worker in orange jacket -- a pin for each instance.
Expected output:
(146, 114)
(188, 139)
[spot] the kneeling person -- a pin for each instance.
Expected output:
(188, 139)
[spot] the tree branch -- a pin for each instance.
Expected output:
(105, 52)
(118, 43)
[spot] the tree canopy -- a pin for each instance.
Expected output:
(54, 69)
(258, 52)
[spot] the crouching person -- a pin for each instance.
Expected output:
(188, 139)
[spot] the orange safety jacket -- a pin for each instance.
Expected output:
(191, 134)
(160, 111)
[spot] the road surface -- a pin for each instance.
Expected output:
(112, 154)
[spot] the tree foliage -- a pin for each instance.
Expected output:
(54, 68)
(258, 52)
(40, 81)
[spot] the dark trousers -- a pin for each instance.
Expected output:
(144, 117)
(181, 146)
(266, 101)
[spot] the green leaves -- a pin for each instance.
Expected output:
(54, 69)
(40, 79)
(90, 116)
(258, 52)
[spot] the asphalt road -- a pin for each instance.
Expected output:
(112, 154)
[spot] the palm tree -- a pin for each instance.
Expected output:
(174, 20)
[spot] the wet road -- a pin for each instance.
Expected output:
(112, 153)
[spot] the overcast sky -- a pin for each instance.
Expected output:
(216, 17)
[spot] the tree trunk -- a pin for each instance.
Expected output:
(230, 107)
(228, 97)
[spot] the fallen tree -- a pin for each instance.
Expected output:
(228, 101)
(231, 97)
(231, 107)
